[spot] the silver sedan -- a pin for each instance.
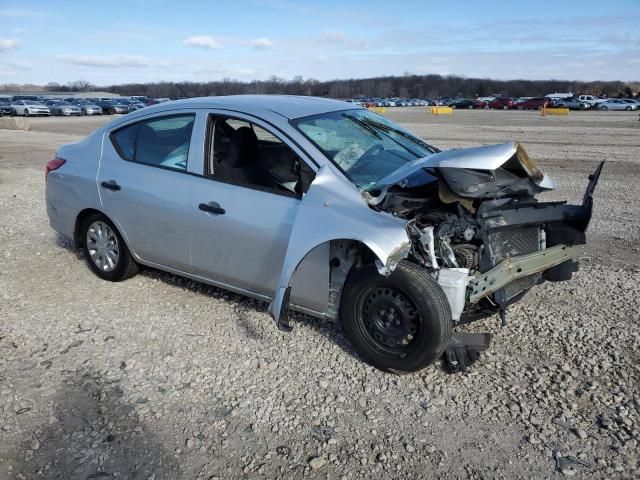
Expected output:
(63, 108)
(322, 207)
(615, 104)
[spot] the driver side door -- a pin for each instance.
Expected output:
(242, 232)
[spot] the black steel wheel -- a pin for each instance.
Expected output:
(398, 323)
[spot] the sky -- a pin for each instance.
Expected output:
(115, 41)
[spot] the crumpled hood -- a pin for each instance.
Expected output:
(488, 171)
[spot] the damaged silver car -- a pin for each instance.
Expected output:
(318, 206)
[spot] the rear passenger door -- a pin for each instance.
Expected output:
(143, 183)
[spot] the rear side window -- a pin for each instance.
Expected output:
(161, 142)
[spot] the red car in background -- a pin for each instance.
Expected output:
(534, 104)
(503, 103)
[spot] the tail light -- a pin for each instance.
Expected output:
(52, 165)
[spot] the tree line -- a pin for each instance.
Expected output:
(405, 86)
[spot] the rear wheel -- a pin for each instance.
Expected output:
(26, 112)
(604, 107)
(399, 323)
(105, 250)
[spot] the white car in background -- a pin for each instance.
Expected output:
(591, 100)
(29, 108)
(615, 104)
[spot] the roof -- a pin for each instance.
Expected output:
(289, 106)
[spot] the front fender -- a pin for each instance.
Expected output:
(334, 209)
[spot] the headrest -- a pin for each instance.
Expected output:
(243, 149)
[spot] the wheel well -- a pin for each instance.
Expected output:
(77, 237)
(344, 256)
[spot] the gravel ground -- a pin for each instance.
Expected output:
(161, 377)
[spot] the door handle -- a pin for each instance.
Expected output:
(110, 185)
(212, 207)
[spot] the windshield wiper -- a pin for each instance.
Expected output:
(386, 128)
(364, 125)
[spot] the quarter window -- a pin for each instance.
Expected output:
(162, 142)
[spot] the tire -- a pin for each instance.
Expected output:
(604, 107)
(124, 265)
(628, 109)
(26, 112)
(505, 108)
(13, 113)
(423, 316)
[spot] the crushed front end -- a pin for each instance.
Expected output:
(475, 224)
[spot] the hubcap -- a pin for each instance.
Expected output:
(102, 245)
(390, 317)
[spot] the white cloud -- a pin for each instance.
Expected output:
(9, 44)
(262, 43)
(112, 61)
(203, 41)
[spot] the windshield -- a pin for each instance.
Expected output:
(365, 146)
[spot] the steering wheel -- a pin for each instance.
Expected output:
(369, 152)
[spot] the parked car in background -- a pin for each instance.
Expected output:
(572, 104)
(29, 108)
(631, 101)
(533, 103)
(5, 108)
(591, 99)
(61, 108)
(87, 107)
(615, 104)
(319, 206)
(134, 106)
(111, 107)
(462, 103)
(504, 103)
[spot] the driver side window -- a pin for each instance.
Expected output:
(246, 154)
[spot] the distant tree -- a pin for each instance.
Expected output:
(80, 86)
(52, 86)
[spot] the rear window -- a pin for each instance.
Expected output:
(161, 142)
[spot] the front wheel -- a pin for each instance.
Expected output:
(628, 109)
(26, 112)
(399, 323)
(604, 107)
(105, 250)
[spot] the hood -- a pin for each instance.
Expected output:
(488, 171)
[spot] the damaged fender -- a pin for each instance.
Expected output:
(334, 209)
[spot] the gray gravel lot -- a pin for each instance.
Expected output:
(161, 377)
